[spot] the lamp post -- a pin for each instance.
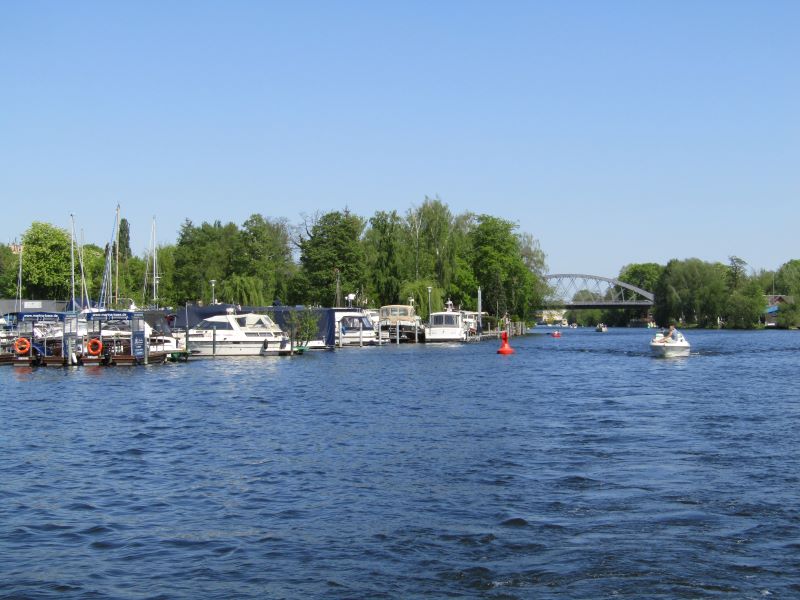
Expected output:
(429, 303)
(213, 296)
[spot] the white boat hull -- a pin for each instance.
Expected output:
(668, 350)
(238, 348)
(435, 334)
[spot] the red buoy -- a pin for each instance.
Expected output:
(556, 334)
(505, 348)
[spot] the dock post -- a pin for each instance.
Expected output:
(360, 334)
(214, 340)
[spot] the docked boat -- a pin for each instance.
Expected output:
(230, 334)
(446, 326)
(668, 347)
(354, 327)
(401, 322)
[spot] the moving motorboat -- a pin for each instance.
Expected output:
(668, 347)
(601, 328)
(248, 334)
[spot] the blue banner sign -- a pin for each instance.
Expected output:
(110, 315)
(137, 344)
(41, 316)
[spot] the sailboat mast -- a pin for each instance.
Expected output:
(116, 236)
(84, 290)
(18, 299)
(72, 259)
(155, 266)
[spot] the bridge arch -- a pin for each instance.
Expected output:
(600, 292)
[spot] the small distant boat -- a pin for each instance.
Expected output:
(601, 328)
(661, 346)
(556, 334)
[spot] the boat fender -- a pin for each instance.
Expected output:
(22, 345)
(94, 347)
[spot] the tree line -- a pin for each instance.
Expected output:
(329, 259)
(705, 294)
(334, 258)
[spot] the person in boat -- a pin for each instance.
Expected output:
(671, 334)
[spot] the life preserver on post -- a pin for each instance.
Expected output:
(22, 345)
(94, 347)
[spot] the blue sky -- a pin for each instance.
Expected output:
(614, 132)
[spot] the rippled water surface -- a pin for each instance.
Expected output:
(579, 467)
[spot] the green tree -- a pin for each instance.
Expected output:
(641, 275)
(382, 244)
(332, 256)
(241, 289)
(9, 265)
(745, 306)
(46, 262)
(124, 240)
(737, 272)
(692, 292)
(787, 278)
(507, 284)
(203, 254)
(264, 253)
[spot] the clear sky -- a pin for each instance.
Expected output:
(614, 132)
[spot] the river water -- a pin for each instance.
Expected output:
(579, 467)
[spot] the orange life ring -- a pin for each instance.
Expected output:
(94, 347)
(22, 345)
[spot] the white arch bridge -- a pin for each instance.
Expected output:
(592, 291)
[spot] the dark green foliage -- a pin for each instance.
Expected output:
(508, 285)
(332, 255)
(46, 262)
(9, 265)
(124, 240)
(744, 306)
(383, 241)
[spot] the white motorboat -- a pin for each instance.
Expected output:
(230, 334)
(601, 328)
(446, 326)
(354, 327)
(667, 347)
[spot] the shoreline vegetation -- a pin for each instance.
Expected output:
(426, 256)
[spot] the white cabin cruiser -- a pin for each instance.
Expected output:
(668, 347)
(230, 334)
(400, 321)
(354, 328)
(446, 326)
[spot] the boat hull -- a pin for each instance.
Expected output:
(206, 348)
(667, 350)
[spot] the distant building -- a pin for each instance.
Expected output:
(552, 316)
(774, 303)
(7, 306)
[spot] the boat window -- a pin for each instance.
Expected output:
(445, 320)
(352, 322)
(218, 325)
